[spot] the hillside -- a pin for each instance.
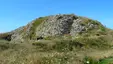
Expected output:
(57, 39)
(56, 25)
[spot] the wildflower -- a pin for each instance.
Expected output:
(87, 62)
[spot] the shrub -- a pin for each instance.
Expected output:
(5, 36)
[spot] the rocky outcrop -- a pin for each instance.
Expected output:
(59, 25)
(54, 25)
(64, 24)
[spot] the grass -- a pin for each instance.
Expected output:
(107, 61)
(89, 60)
(96, 25)
(66, 45)
(89, 47)
(36, 23)
(58, 51)
(87, 20)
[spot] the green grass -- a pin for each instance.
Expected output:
(35, 24)
(66, 45)
(94, 61)
(85, 21)
(107, 61)
(61, 51)
(58, 49)
(89, 60)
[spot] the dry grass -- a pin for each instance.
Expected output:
(57, 51)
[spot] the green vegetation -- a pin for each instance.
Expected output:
(87, 20)
(89, 60)
(58, 58)
(56, 51)
(36, 23)
(61, 45)
(95, 46)
(5, 36)
(107, 61)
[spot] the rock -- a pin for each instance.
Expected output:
(54, 25)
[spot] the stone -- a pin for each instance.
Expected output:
(54, 25)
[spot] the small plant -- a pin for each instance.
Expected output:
(89, 60)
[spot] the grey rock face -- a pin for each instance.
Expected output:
(17, 35)
(53, 26)
(60, 25)
(76, 27)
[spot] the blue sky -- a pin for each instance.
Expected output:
(16, 13)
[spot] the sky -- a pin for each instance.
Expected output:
(16, 13)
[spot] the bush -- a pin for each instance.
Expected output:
(5, 36)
